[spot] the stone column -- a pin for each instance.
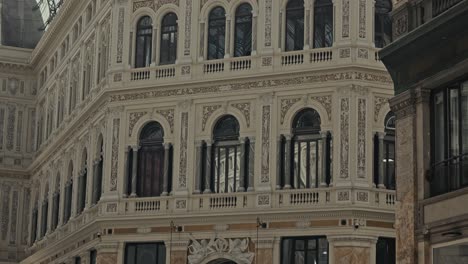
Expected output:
(208, 167)
(278, 163)
(227, 46)
(134, 171)
(323, 175)
(251, 164)
(198, 164)
(154, 46)
(382, 180)
(287, 163)
(127, 175)
(202, 40)
(167, 148)
(242, 166)
(412, 111)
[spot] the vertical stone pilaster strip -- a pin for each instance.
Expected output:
(344, 138)
(120, 34)
(361, 138)
(199, 164)
(323, 178)
(278, 164)
(242, 166)
(287, 163)
(251, 165)
(134, 171)
(167, 148)
(188, 27)
(115, 153)
(381, 183)
(183, 151)
(266, 126)
(208, 167)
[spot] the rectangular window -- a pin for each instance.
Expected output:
(304, 250)
(385, 251)
(145, 253)
(451, 254)
(449, 170)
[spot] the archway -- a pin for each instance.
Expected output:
(222, 261)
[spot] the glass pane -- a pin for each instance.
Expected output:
(287, 251)
(323, 24)
(161, 254)
(146, 254)
(323, 251)
(216, 33)
(312, 244)
(230, 168)
(222, 170)
(315, 162)
(243, 31)
(439, 182)
(295, 27)
(300, 244)
(303, 166)
(299, 257)
(451, 254)
(311, 257)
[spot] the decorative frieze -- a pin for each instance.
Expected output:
(266, 121)
(115, 154)
(236, 249)
(183, 151)
(361, 138)
(153, 4)
(207, 112)
(344, 138)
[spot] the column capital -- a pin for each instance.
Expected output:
(135, 148)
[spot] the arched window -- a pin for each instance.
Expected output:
(68, 194)
(144, 37)
(216, 33)
(82, 179)
(153, 169)
(306, 154)
(383, 23)
(56, 203)
(168, 46)
(294, 25)
(243, 31)
(323, 23)
(98, 172)
(44, 211)
(228, 157)
(384, 153)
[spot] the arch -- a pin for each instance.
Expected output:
(219, 256)
(151, 132)
(235, 4)
(141, 12)
(380, 119)
(169, 30)
(299, 106)
(389, 123)
(144, 41)
(218, 114)
(164, 10)
(295, 25)
(210, 5)
(307, 120)
(144, 120)
(216, 33)
(227, 127)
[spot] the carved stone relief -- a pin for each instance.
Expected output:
(4, 218)
(345, 32)
(120, 32)
(168, 114)
(19, 131)
(207, 112)
(343, 196)
(361, 138)
(286, 104)
(153, 4)
(188, 25)
(115, 153)
(345, 53)
(2, 125)
(379, 102)
(26, 202)
(362, 18)
(344, 138)
(237, 249)
(363, 54)
(266, 120)
(133, 119)
(362, 196)
(14, 215)
(11, 126)
(326, 102)
(183, 152)
(245, 109)
(268, 12)
(263, 200)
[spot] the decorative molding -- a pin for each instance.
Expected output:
(186, 69)
(363, 53)
(267, 61)
(362, 18)
(266, 123)
(181, 204)
(115, 154)
(133, 119)
(153, 4)
(263, 200)
(207, 112)
(168, 114)
(245, 109)
(361, 138)
(379, 102)
(120, 36)
(188, 27)
(286, 104)
(345, 22)
(255, 84)
(5, 216)
(343, 196)
(326, 102)
(183, 151)
(235, 249)
(268, 19)
(345, 53)
(10, 133)
(362, 197)
(344, 138)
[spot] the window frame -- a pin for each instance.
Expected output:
(147, 41)
(304, 28)
(176, 39)
(306, 240)
(315, 25)
(381, 25)
(218, 27)
(240, 24)
(136, 244)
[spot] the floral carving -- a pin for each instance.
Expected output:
(188, 24)
(363, 53)
(245, 109)
(345, 32)
(153, 4)
(361, 139)
(14, 215)
(168, 114)
(115, 153)
(120, 34)
(4, 218)
(185, 70)
(268, 12)
(379, 102)
(183, 152)
(345, 53)
(207, 112)
(111, 208)
(26, 203)
(362, 18)
(343, 196)
(181, 204)
(344, 137)
(362, 196)
(326, 102)
(2, 124)
(266, 116)
(267, 61)
(237, 249)
(19, 131)
(286, 104)
(133, 119)
(263, 200)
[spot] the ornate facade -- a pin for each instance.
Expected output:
(78, 118)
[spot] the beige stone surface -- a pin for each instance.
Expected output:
(352, 255)
(106, 258)
(179, 257)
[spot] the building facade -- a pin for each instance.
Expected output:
(200, 131)
(431, 107)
